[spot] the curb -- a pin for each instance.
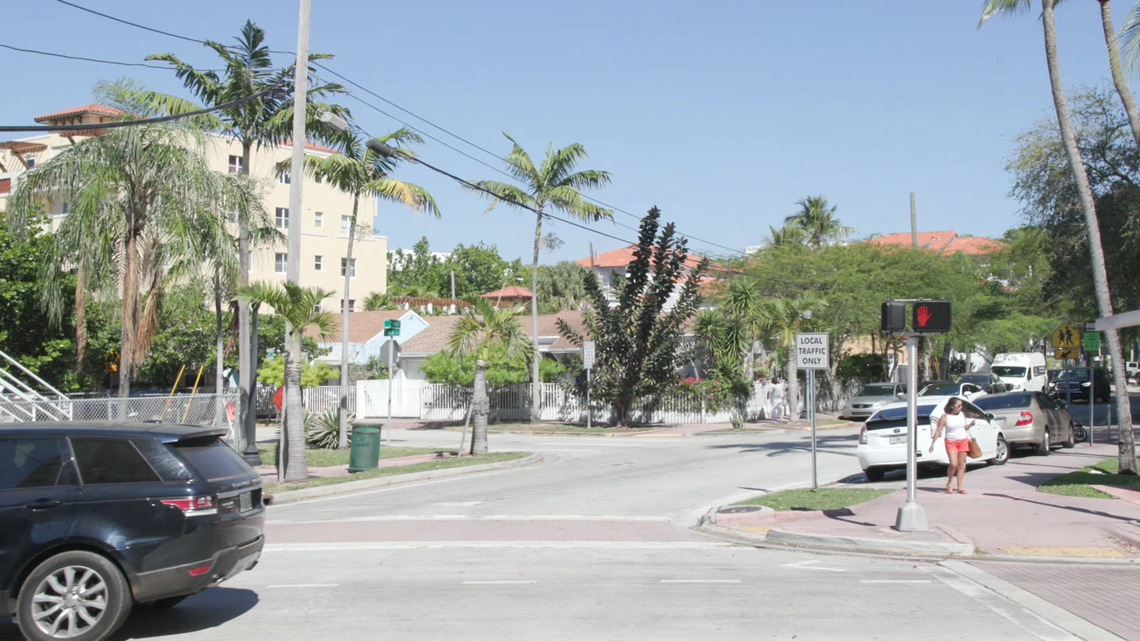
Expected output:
(870, 546)
(752, 432)
(294, 496)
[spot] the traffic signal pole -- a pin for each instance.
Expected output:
(911, 516)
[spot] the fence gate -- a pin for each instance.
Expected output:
(372, 398)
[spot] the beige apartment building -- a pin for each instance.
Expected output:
(324, 221)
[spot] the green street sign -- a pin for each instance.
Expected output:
(392, 331)
(391, 324)
(1090, 341)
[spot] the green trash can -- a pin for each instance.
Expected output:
(365, 452)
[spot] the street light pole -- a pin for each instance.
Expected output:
(911, 517)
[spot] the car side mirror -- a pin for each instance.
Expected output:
(901, 395)
(990, 416)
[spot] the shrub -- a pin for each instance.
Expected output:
(322, 431)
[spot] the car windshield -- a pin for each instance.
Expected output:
(1008, 371)
(944, 389)
(1074, 375)
(877, 390)
(890, 416)
(1003, 401)
(974, 378)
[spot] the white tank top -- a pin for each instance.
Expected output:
(956, 427)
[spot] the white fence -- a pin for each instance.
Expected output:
(423, 400)
(218, 410)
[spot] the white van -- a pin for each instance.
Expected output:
(1022, 371)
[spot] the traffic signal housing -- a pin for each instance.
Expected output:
(930, 316)
(893, 316)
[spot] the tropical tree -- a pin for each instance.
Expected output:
(561, 286)
(376, 301)
(1127, 455)
(784, 318)
(359, 171)
(483, 328)
(298, 306)
(816, 221)
(552, 185)
(786, 235)
(145, 208)
(247, 69)
(638, 339)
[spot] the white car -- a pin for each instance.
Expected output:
(968, 391)
(882, 441)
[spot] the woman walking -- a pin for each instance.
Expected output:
(957, 442)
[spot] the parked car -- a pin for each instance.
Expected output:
(882, 441)
(1022, 371)
(988, 382)
(97, 518)
(871, 398)
(1075, 384)
(1030, 418)
(968, 391)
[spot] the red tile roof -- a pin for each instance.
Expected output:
(362, 326)
(423, 302)
(514, 291)
(95, 109)
(624, 256)
(5, 185)
(434, 338)
(288, 142)
(945, 242)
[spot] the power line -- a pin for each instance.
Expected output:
(421, 118)
(86, 59)
(137, 123)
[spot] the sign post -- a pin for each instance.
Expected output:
(811, 354)
(391, 349)
(588, 354)
(1090, 342)
(1066, 341)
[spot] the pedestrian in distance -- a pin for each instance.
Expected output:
(776, 399)
(957, 442)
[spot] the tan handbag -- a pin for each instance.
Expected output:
(975, 449)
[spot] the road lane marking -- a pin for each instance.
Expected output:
(458, 503)
(304, 585)
(1015, 613)
(475, 519)
(275, 548)
(400, 486)
(499, 582)
(809, 565)
(896, 581)
(700, 580)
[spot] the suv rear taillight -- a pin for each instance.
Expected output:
(1025, 419)
(863, 436)
(194, 505)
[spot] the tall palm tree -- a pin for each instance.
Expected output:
(555, 185)
(816, 219)
(561, 286)
(143, 203)
(358, 170)
(784, 318)
(298, 306)
(1127, 454)
(248, 69)
(482, 328)
(786, 235)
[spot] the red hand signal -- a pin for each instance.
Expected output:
(922, 315)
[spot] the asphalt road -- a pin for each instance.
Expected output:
(591, 544)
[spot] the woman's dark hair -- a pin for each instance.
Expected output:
(951, 404)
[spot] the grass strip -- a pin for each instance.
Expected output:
(826, 498)
(558, 428)
(330, 458)
(427, 466)
(1080, 482)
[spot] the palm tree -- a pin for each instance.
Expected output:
(783, 318)
(376, 301)
(816, 219)
(561, 286)
(553, 185)
(483, 327)
(1127, 454)
(144, 206)
(298, 306)
(248, 69)
(358, 170)
(786, 235)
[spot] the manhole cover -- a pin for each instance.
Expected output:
(741, 509)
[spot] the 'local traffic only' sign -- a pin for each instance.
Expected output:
(811, 350)
(588, 354)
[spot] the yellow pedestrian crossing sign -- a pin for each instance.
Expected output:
(1066, 337)
(1063, 354)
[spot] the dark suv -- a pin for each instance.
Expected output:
(1075, 384)
(96, 518)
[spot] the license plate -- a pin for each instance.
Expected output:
(245, 501)
(895, 440)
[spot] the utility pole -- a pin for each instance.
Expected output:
(453, 284)
(913, 222)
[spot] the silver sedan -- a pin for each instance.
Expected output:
(1030, 418)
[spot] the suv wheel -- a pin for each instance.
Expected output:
(1070, 442)
(1044, 445)
(874, 474)
(1002, 454)
(74, 595)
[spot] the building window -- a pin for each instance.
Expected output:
(345, 224)
(343, 262)
(351, 305)
(319, 218)
(31, 162)
(280, 262)
(318, 179)
(235, 164)
(318, 262)
(65, 208)
(282, 218)
(285, 178)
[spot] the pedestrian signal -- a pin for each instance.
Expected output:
(893, 316)
(931, 316)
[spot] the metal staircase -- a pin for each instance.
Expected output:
(20, 401)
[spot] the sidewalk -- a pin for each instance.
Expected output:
(1001, 516)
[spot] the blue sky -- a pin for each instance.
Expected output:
(722, 113)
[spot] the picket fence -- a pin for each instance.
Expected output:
(434, 402)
